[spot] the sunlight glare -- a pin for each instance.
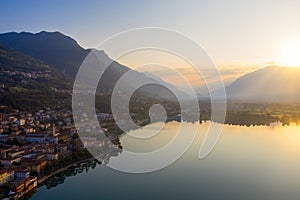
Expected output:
(290, 55)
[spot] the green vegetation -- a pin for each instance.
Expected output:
(27, 83)
(66, 160)
(247, 114)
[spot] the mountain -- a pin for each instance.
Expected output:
(54, 48)
(64, 53)
(62, 56)
(27, 83)
(273, 84)
(59, 51)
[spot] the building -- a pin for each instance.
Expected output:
(11, 161)
(41, 138)
(3, 117)
(21, 173)
(35, 166)
(52, 156)
(15, 153)
(21, 187)
(21, 122)
(6, 176)
(5, 151)
(30, 183)
(62, 149)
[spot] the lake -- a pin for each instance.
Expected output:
(261, 162)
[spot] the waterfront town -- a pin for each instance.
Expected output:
(34, 146)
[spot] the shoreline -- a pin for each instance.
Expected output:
(75, 164)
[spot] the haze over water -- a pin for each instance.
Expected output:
(260, 162)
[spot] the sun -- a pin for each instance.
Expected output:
(290, 55)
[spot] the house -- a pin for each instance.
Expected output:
(62, 149)
(5, 151)
(3, 117)
(15, 153)
(18, 186)
(21, 122)
(35, 166)
(23, 186)
(30, 183)
(21, 173)
(6, 176)
(52, 156)
(41, 138)
(10, 161)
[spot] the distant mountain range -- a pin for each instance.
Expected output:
(269, 84)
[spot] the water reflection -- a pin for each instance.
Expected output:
(260, 162)
(108, 150)
(71, 171)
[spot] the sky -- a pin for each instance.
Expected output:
(234, 33)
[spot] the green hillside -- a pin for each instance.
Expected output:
(27, 83)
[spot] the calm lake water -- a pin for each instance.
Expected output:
(247, 163)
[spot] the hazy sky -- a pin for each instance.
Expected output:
(231, 31)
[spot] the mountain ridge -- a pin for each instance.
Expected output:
(272, 83)
(54, 48)
(66, 55)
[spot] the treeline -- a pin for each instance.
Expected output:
(249, 119)
(32, 100)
